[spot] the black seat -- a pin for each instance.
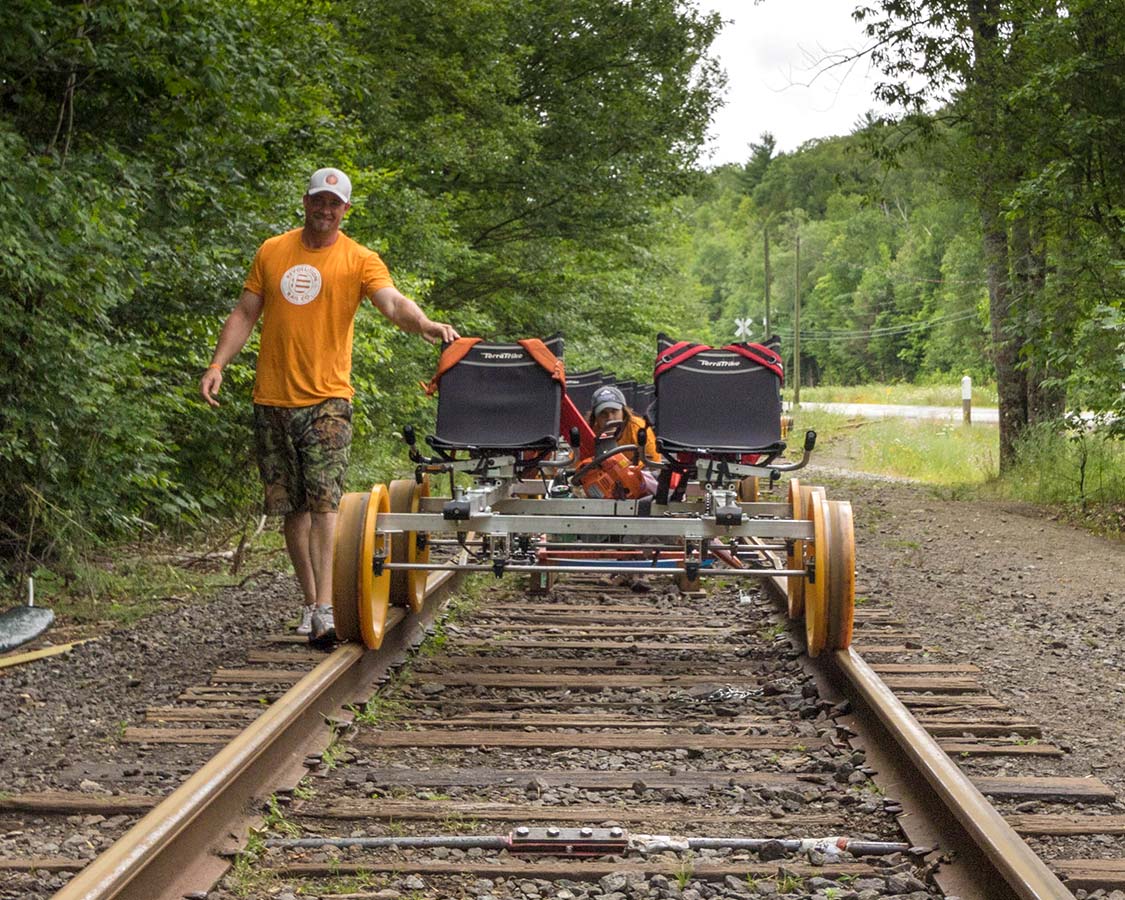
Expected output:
(580, 387)
(629, 392)
(718, 403)
(644, 396)
(498, 398)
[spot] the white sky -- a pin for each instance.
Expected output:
(771, 54)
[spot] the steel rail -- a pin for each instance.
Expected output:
(1026, 873)
(1012, 861)
(175, 849)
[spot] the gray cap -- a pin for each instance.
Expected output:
(607, 397)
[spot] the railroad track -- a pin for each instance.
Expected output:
(637, 714)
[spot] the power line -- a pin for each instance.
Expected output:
(886, 331)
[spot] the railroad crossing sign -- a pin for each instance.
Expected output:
(743, 328)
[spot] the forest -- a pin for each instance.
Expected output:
(525, 167)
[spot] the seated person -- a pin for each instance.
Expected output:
(608, 409)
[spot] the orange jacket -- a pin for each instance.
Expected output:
(630, 432)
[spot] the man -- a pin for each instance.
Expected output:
(307, 285)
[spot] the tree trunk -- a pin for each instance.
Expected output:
(987, 127)
(1011, 386)
(1045, 402)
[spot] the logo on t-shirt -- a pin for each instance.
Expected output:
(301, 284)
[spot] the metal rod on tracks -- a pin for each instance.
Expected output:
(1027, 874)
(612, 570)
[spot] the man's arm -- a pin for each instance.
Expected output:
(407, 315)
(236, 331)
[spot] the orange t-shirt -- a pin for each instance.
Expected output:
(310, 298)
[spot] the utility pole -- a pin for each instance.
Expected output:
(797, 322)
(766, 247)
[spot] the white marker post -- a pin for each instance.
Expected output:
(967, 400)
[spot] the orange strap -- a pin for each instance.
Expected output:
(456, 351)
(545, 358)
(450, 356)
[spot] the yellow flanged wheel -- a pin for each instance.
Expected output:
(841, 572)
(408, 588)
(816, 589)
(748, 489)
(345, 565)
(374, 592)
(795, 559)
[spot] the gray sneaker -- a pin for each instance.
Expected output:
(323, 626)
(306, 620)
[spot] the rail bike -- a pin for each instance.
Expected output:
(514, 480)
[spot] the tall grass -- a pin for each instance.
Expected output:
(1077, 472)
(932, 452)
(1071, 466)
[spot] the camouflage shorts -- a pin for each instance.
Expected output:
(303, 455)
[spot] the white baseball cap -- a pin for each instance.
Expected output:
(332, 180)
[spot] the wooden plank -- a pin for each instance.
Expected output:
(950, 702)
(42, 864)
(1043, 824)
(257, 676)
(591, 740)
(198, 695)
(583, 779)
(70, 803)
(203, 714)
(1063, 790)
(596, 616)
(980, 729)
(712, 649)
(592, 701)
(982, 748)
(286, 657)
(18, 659)
(600, 629)
(883, 649)
(437, 811)
(1090, 874)
(229, 693)
(553, 663)
(571, 869)
(532, 680)
(180, 735)
(650, 608)
(541, 720)
(942, 685)
(918, 668)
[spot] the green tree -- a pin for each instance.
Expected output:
(1019, 76)
(511, 159)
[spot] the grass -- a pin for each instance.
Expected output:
(123, 583)
(946, 394)
(1078, 475)
(939, 453)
